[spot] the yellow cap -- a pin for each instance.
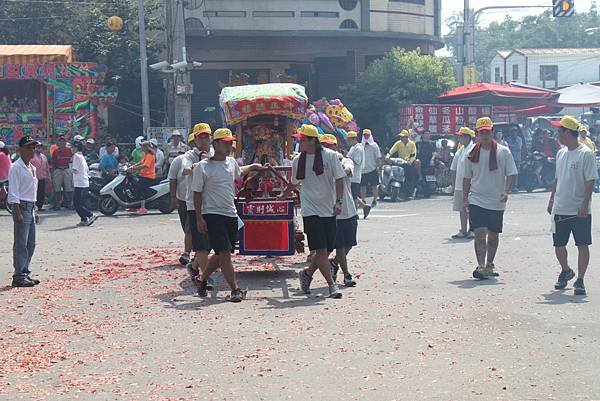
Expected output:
(367, 131)
(352, 134)
(202, 128)
(329, 139)
(569, 123)
(404, 133)
(191, 137)
(583, 128)
(484, 123)
(466, 131)
(307, 130)
(223, 134)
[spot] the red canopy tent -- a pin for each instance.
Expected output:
(499, 95)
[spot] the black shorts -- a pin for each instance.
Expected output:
(345, 234)
(320, 232)
(486, 218)
(355, 188)
(581, 227)
(222, 232)
(371, 179)
(183, 217)
(200, 240)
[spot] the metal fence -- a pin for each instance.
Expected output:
(162, 134)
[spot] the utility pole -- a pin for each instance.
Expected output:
(144, 69)
(469, 72)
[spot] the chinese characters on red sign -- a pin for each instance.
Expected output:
(441, 118)
(266, 208)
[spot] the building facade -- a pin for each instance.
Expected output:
(321, 44)
(546, 68)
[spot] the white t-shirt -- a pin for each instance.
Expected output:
(458, 165)
(573, 169)
(317, 195)
(348, 207)
(191, 159)
(176, 173)
(81, 172)
(357, 155)
(215, 180)
(487, 186)
(371, 155)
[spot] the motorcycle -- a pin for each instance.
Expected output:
(98, 179)
(4, 201)
(538, 172)
(428, 185)
(392, 180)
(121, 192)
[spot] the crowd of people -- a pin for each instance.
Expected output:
(22, 104)
(333, 185)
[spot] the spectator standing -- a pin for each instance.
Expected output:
(109, 160)
(357, 155)
(91, 156)
(175, 146)
(515, 145)
(81, 182)
(585, 139)
(104, 148)
(42, 167)
(457, 169)
(137, 154)
(62, 175)
(370, 170)
(160, 157)
(21, 195)
(5, 164)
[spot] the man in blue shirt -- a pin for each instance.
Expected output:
(109, 161)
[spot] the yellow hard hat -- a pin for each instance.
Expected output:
(570, 123)
(484, 123)
(466, 131)
(202, 128)
(404, 133)
(223, 134)
(367, 131)
(329, 139)
(352, 134)
(307, 130)
(191, 137)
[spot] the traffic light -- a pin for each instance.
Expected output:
(563, 8)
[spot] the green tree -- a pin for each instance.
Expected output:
(400, 77)
(84, 27)
(535, 31)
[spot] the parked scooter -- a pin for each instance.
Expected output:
(121, 192)
(392, 180)
(538, 172)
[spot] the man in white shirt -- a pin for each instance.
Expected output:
(81, 184)
(370, 170)
(160, 158)
(570, 203)
(356, 154)
(213, 184)
(22, 196)
(457, 169)
(347, 220)
(489, 173)
(321, 198)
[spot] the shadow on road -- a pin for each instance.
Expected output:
(456, 241)
(67, 228)
(472, 283)
(560, 298)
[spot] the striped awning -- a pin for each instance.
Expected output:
(36, 54)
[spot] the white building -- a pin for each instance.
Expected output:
(546, 68)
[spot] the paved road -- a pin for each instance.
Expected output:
(115, 317)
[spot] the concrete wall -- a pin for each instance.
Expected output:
(397, 16)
